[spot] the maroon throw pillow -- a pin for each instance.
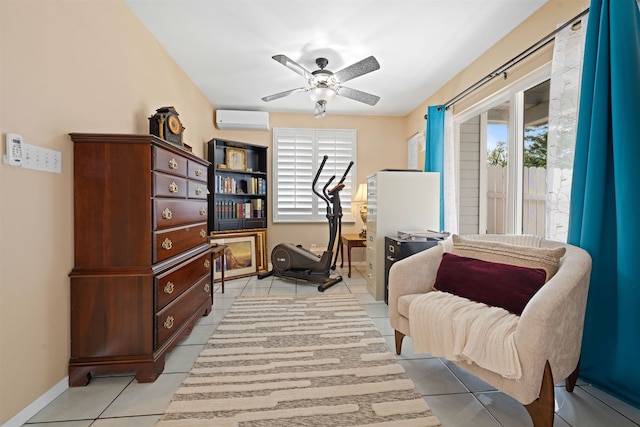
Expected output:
(499, 285)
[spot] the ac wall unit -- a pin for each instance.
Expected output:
(242, 120)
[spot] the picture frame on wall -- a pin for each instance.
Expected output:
(239, 256)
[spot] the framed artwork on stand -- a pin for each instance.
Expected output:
(239, 256)
(245, 255)
(261, 250)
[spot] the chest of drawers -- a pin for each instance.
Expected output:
(142, 274)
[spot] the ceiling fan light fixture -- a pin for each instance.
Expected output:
(321, 93)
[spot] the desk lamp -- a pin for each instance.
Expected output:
(361, 197)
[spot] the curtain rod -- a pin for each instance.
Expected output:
(514, 61)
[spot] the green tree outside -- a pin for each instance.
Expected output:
(535, 148)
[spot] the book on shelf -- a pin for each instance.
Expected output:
(229, 209)
(255, 186)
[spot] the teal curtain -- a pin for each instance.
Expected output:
(604, 198)
(434, 149)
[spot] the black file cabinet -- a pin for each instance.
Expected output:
(397, 249)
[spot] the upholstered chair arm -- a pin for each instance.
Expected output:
(415, 274)
(551, 325)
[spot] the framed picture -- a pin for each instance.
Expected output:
(261, 250)
(236, 158)
(239, 256)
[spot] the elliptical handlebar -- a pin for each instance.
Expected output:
(324, 195)
(344, 176)
(339, 186)
(315, 180)
(324, 190)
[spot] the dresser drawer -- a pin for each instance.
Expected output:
(169, 319)
(169, 186)
(196, 171)
(176, 240)
(174, 213)
(166, 161)
(197, 190)
(170, 284)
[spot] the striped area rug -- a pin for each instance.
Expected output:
(297, 361)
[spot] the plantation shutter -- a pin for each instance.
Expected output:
(297, 156)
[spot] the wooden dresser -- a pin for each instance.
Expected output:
(142, 274)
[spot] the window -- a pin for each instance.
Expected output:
(297, 156)
(502, 143)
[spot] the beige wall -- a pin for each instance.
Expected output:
(67, 66)
(92, 67)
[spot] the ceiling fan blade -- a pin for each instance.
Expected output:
(357, 95)
(283, 94)
(358, 69)
(292, 65)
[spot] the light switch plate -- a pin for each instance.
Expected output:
(42, 159)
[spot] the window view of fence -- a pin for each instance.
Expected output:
(533, 200)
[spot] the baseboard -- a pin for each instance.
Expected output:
(36, 406)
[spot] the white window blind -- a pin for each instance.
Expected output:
(297, 156)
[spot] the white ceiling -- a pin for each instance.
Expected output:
(225, 46)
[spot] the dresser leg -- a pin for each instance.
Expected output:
(149, 372)
(79, 377)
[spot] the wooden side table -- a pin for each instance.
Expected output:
(352, 241)
(217, 252)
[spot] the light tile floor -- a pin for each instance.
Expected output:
(457, 398)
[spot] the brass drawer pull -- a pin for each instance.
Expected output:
(168, 288)
(207, 264)
(198, 172)
(207, 287)
(173, 164)
(167, 214)
(203, 211)
(198, 191)
(168, 324)
(203, 233)
(173, 187)
(167, 244)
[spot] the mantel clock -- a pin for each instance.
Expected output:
(166, 125)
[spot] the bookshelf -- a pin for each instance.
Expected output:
(237, 185)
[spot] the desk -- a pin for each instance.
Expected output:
(217, 252)
(352, 241)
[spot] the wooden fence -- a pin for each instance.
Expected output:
(533, 204)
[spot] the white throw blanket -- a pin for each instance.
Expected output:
(461, 330)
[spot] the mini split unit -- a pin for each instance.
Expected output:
(242, 120)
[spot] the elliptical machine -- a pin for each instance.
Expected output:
(296, 262)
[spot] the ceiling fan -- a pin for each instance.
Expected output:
(323, 85)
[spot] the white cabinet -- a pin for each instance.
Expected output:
(397, 200)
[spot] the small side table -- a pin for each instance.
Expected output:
(352, 241)
(217, 252)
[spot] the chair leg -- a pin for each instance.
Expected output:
(399, 338)
(541, 410)
(571, 380)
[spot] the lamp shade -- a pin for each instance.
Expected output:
(361, 194)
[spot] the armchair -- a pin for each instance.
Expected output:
(547, 335)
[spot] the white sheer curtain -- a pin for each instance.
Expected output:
(449, 176)
(566, 71)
